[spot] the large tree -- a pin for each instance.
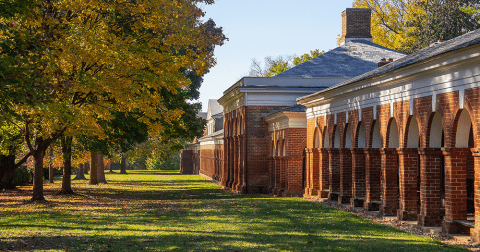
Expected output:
(73, 62)
(389, 19)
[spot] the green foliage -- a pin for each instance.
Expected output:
(472, 11)
(274, 66)
(443, 20)
(22, 175)
(172, 163)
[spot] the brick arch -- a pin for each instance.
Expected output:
(448, 107)
(472, 104)
(422, 110)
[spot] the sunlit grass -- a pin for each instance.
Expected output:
(165, 211)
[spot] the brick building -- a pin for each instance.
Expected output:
(403, 139)
(363, 125)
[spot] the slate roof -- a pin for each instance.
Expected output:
(296, 108)
(354, 58)
(202, 115)
(214, 107)
(214, 134)
(459, 42)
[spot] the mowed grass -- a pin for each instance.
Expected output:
(165, 211)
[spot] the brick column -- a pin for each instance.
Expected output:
(277, 186)
(235, 162)
(323, 173)
(283, 171)
(389, 182)
(358, 177)
(294, 176)
(430, 187)
(312, 181)
(475, 232)
(455, 188)
(271, 174)
(334, 173)
(373, 167)
(241, 170)
(226, 160)
(408, 167)
(345, 176)
(308, 172)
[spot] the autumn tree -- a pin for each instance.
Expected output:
(389, 19)
(74, 62)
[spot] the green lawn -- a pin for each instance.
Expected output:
(165, 211)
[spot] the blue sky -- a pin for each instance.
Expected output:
(260, 28)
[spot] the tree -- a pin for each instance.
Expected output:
(443, 20)
(68, 63)
(67, 165)
(389, 19)
(274, 66)
(473, 11)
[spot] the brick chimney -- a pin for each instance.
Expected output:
(356, 24)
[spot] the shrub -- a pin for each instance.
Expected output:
(22, 176)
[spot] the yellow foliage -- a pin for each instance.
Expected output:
(389, 18)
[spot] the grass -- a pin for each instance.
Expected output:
(165, 211)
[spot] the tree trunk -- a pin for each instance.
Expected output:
(110, 166)
(86, 167)
(80, 174)
(123, 168)
(50, 166)
(100, 169)
(93, 168)
(67, 166)
(7, 168)
(38, 156)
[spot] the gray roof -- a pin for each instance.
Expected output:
(459, 42)
(214, 107)
(296, 108)
(347, 61)
(214, 134)
(202, 115)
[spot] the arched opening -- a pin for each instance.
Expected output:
(348, 137)
(284, 148)
(436, 132)
(376, 137)
(413, 142)
(463, 130)
(336, 142)
(393, 134)
(326, 139)
(317, 139)
(413, 134)
(464, 139)
(361, 136)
